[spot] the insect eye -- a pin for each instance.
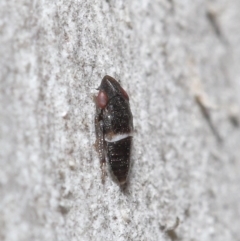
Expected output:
(124, 93)
(102, 99)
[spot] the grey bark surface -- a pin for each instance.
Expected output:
(178, 61)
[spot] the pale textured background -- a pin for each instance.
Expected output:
(53, 54)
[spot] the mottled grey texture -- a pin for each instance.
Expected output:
(179, 62)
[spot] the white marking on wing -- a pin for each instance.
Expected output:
(118, 137)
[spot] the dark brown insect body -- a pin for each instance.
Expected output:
(114, 127)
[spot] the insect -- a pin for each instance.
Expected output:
(114, 128)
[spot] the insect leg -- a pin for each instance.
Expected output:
(100, 144)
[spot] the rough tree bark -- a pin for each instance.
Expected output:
(179, 62)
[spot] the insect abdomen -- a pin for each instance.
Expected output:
(118, 154)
